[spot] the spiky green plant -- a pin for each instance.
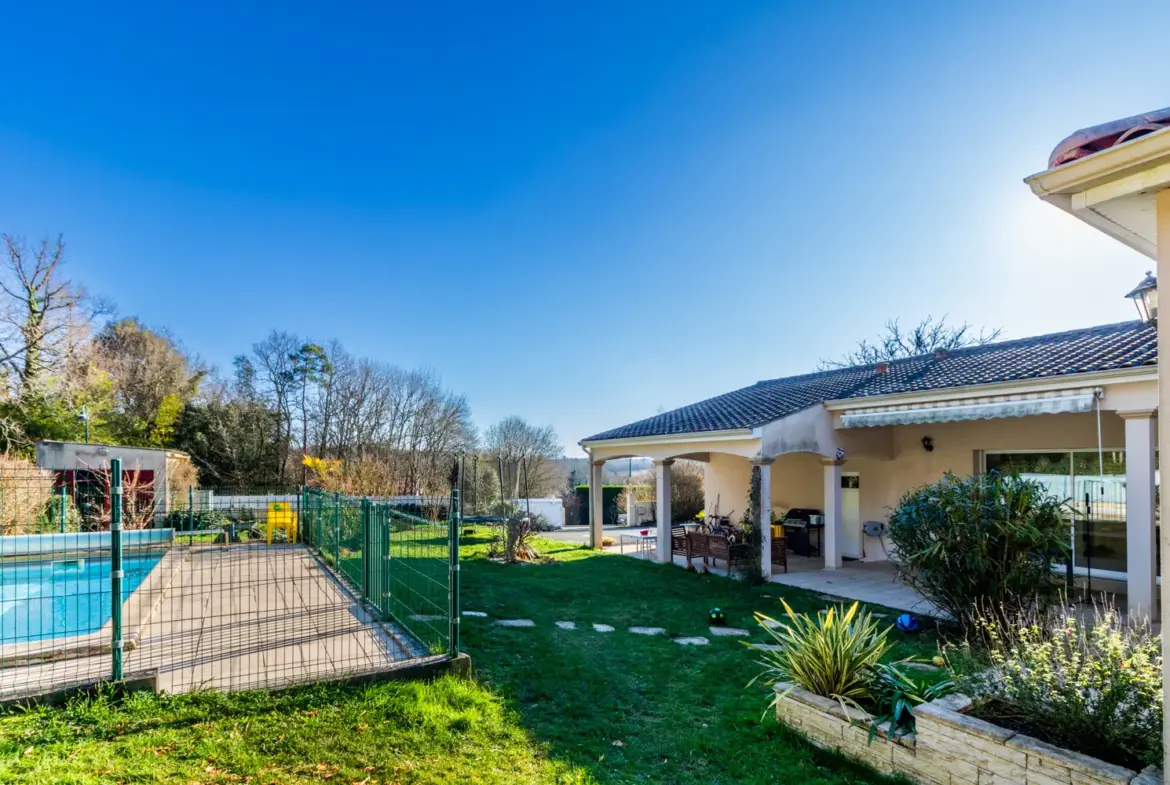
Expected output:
(833, 654)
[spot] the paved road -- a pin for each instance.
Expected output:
(580, 534)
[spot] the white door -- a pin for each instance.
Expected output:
(851, 515)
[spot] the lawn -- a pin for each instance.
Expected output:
(547, 706)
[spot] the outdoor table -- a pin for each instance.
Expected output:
(645, 549)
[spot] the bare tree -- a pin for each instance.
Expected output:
(925, 337)
(42, 310)
(518, 444)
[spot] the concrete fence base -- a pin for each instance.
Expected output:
(949, 747)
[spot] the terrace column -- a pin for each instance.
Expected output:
(1141, 542)
(596, 511)
(831, 547)
(765, 468)
(1162, 224)
(663, 501)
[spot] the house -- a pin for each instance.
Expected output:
(1116, 178)
(1074, 409)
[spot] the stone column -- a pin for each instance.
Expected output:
(831, 547)
(1141, 543)
(765, 467)
(596, 509)
(663, 503)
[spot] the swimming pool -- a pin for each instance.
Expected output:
(58, 599)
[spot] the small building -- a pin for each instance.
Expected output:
(146, 471)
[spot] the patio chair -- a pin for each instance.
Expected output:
(678, 541)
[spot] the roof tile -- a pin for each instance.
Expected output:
(1106, 348)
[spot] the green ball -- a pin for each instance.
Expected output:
(717, 616)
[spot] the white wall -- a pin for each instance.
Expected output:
(552, 509)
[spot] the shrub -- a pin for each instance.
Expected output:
(25, 494)
(50, 520)
(1092, 686)
(200, 520)
(986, 541)
(833, 654)
(837, 654)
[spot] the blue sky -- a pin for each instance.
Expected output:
(578, 213)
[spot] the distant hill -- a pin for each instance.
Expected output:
(614, 471)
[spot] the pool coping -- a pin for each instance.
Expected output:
(136, 612)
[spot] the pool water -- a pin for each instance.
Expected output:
(57, 599)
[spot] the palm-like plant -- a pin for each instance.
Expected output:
(833, 654)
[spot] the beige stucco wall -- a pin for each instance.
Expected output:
(898, 462)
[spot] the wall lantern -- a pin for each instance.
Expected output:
(928, 444)
(1145, 297)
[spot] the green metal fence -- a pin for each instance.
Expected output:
(103, 576)
(400, 555)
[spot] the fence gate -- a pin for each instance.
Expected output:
(101, 578)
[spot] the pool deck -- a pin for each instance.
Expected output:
(239, 617)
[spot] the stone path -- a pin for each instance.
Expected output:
(695, 640)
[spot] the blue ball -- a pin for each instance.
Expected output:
(907, 623)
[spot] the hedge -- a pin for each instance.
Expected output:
(609, 497)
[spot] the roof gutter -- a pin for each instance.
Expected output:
(672, 438)
(1145, 373)
(1141, 154)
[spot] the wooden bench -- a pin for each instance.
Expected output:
(714, 547)
(678, 541)
(780, 552)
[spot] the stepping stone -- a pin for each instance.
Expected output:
(880, 615)
(567, 625)
(475, 614)
(647, 630)
(729, 632)
(602, 628)
(691, 641)
(766, 646)
(922, 666)
(425, 617)
(516, 623)
(772, 624)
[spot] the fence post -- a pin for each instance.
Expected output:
(116, 565)
(320, 509)
(454, 521)
(337, 531)
(300, 522)
(190, 508)
(64, 499)
(364, 522)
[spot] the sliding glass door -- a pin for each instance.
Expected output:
(1093, 487)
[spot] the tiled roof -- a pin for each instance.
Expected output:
(1107, 348)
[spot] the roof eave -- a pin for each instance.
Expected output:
(1108, 189)
(733, 434)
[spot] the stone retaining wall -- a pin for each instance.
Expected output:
(949, 747)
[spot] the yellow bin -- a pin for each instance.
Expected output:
(281, 516)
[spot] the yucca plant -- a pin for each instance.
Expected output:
(833, 654)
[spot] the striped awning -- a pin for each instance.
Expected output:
(991, 408)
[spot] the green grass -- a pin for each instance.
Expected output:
(547, 705)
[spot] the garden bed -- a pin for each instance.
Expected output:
(949, 745)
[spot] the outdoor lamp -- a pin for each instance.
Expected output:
(1145, 297)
